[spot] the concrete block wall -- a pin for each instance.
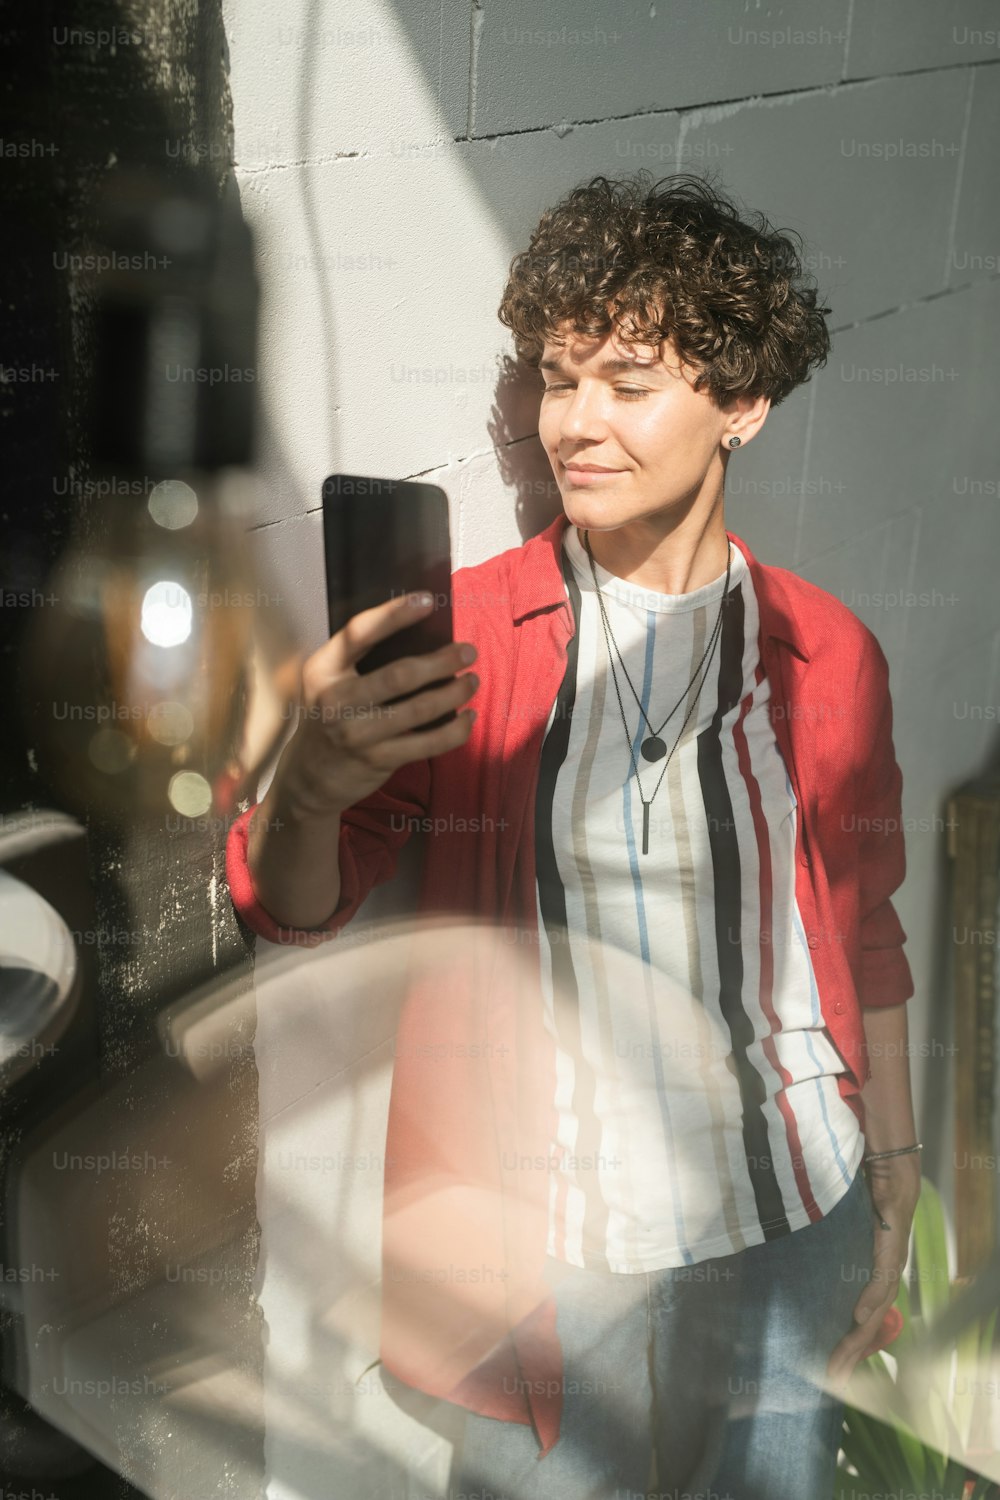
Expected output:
(393, 157)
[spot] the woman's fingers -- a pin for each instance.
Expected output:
(365, 629)
(888, 1260)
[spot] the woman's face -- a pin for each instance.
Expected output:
(639, 417)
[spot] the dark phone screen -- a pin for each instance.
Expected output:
(383, 538)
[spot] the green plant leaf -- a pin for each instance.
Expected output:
(874, 1448)
(931, 1252)
(860, 1443)
(904, 1339)
(954, 1479)
(887, 1451)
(964, 1399)
(935, 1415)
(912, 1456)
(936, 1462)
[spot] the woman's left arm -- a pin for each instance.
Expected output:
(894, 1182)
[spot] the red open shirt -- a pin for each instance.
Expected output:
(466, 1314)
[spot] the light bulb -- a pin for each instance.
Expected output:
(161, 679)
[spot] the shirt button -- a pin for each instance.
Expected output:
(804, 858)
(839, 1008)
(813, 940)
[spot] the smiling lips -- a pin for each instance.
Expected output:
(588, 473)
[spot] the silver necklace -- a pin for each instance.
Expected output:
(653, 747)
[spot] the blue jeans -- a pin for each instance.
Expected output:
(706, 1366)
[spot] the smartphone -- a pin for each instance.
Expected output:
(383, 538)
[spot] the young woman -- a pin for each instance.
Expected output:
(681, 1159)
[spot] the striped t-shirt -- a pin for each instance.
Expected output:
(696, 1094)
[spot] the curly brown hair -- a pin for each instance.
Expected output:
(671, 259)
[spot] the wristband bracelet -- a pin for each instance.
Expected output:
(902, 1151)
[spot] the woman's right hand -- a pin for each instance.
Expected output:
(350, 739)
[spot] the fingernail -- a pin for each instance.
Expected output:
(421, 601)
(468, 653)
(863, 1315)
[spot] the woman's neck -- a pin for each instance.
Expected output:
(685, 559)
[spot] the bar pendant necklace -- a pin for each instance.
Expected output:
(654, 747)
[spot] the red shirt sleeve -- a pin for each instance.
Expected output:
(885, 973)
(372, 833)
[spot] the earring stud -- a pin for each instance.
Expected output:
(734, 442)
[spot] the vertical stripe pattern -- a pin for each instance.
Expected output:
(696, 1085)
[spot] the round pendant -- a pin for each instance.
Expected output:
(653, 748)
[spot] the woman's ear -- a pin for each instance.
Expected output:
(744, 417)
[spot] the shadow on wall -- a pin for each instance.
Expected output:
(522, 462)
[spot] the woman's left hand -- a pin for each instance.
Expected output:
(895, 1187)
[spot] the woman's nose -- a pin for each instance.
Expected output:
(583, 412)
